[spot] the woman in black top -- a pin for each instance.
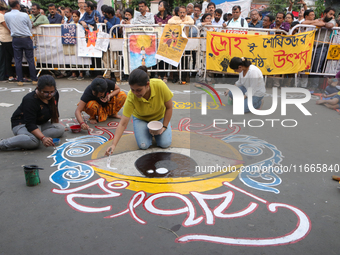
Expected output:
(100, 100)
(37, 118)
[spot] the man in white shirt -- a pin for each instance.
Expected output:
(236, 21)
(143, 17)
(81, 4)
(217, 21)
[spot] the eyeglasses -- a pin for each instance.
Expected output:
(49, 93)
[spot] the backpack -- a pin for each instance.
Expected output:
(242, 22)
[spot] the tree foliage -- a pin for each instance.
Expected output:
(66, 3)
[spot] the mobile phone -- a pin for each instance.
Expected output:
(125, 18)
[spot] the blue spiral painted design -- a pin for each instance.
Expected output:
(70, 171)
(252, 146)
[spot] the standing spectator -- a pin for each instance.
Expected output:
(20, 26)
(42, 12)
(37, 18)
(323, 37)
(267, 21)
(68, 15)
(339, 16)
(128, 16)
(102, 8)
(236, 20)
(309, 19)
(62, 12)
(197, 14)
(289, 19)
(279, 22)
(255, 19)
(54, 17)
(143, 17)
(217, 21)
(89, 16)
(182, 19)
(163, 15)
(111, 20)
(76, 18)
(190, 9)
(6, 50)
(301, 11)
(211, 9)
(119, 14)
(81, 4)
(162, 18)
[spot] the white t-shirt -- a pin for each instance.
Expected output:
(253, 79)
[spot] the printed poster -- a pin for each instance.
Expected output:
(172, 45)
(140, 47)
(69, 34)
(87, 42)
(273, 54)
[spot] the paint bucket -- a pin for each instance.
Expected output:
(56, 141)
(155, 127)
(32, 175)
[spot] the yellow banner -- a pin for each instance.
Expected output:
(334, 52)
(273, 54)
(172, 45)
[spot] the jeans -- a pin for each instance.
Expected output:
(20, 45)
(256, 100)
(320, 55)
(144, 138)
(24, 139)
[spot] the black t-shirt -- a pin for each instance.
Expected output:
(32, 111)
(88, 95)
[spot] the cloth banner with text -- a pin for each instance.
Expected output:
(273, 54)
(172, 45)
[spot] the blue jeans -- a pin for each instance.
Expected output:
(256, 100)
(144, 138)
(24, 139)
(20, 45)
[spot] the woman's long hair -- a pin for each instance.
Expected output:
(166, 11)
(48, 81)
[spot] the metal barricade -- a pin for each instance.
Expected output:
(51, 54)
(324, 37)
(187, 64)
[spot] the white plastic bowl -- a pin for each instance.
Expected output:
(155, 127)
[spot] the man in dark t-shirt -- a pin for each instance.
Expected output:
(100, 100)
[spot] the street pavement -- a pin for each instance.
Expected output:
(225, 204)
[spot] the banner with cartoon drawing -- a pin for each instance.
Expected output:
(172, 45)
(86, 43)
(140, 46)
(273, 54)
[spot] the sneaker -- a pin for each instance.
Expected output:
(72, 78)
(80, 78)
